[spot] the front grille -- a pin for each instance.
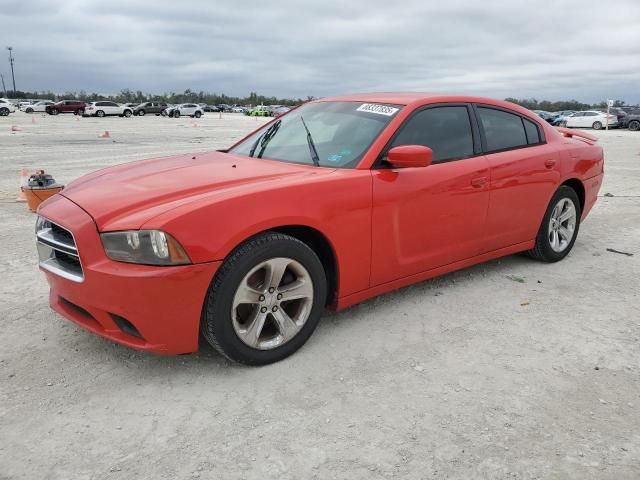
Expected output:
(57, 250)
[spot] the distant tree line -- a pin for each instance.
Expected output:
(533, 104)
(188, 96)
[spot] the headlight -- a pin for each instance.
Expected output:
(147, 247)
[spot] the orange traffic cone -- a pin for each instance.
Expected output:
(14, 129)
(104, 134)
(24, 179)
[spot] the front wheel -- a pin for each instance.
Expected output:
(197, 114)
(634, 125)
(29, 110)
(176, 114)
(54, 111)
(4, 112)
(559, 228)
(141, 113)
(597, 125)
(100, 113)
(127, 113)
(266, 300)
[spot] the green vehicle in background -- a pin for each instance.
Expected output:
(260, 111)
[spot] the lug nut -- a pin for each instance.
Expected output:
(261, 298)
(263, 309)
(271, 290)
(274, 309)
(279, 296)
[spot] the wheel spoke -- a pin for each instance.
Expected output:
(565, 234)
(246, 295)
(286, 325)
(296, 290)
(254, 329)
(568, 214)
(275, 271)
(554, 239)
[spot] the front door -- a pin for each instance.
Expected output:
(427, 217)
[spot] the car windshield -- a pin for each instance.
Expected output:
(341, 133)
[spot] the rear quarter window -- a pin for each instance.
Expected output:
(531, 129)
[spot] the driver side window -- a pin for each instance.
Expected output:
(445, 130)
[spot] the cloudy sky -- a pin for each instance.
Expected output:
(587, 50)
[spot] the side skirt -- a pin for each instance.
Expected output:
(363, 295)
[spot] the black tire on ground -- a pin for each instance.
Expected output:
(217, 324)
(176, 114)
(80, 112)
(54, 111)
(127, 113)
(141, 113)
(542, 250)
(197, 114)
(99, 113)
(634, 125)
(597, 125)
(29, 110)
(4, 112)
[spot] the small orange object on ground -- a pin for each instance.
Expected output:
(40, 187)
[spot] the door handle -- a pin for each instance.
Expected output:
(550, 163)
(478, 182)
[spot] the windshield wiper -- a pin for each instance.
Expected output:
(264, 139)
(312, 146)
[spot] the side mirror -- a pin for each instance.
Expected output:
(410, 156)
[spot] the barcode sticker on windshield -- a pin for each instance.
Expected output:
(375, 108)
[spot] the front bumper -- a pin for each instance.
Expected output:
(161, 306)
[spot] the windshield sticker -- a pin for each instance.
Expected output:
(334, 158)
(375, 108)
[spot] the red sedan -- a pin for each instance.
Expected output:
(335, 202)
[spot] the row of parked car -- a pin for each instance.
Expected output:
(105, 108)
(596, 119)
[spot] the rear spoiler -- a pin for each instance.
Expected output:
(567, 132)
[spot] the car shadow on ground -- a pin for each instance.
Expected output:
(207, 359)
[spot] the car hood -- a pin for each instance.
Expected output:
(128, 195)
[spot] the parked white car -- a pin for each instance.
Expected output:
(6, 107)
(189, 109)
(591, 119)
(105, 108)
(40, 106)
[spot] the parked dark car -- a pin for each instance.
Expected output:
(546, 116)
(224, 107)
(66, 106)
(211, 108)
(149, 107)
(631, 121)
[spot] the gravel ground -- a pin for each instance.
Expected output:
(510, 369)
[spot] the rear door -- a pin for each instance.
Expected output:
(524, 174)
(424, 218)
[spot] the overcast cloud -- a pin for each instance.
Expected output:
(587, 50)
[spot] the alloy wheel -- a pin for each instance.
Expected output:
(272, 303)
(562, 225)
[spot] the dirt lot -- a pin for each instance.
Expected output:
(511, 369)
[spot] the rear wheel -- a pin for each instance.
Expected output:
(559, 227)
(127, 113)
(29, 110)
(265, 301)
(4, 111)
(597, 125)
(197, 114)
(54, 111)
(634, 125)
(176, 114)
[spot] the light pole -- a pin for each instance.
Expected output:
(13, 77)
(3, 87)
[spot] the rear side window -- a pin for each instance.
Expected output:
(502, 130)
(531, 129)
(445, 130)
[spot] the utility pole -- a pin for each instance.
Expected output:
(13, 77)
(3, 87)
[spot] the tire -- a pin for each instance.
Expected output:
(543, 249)
(197, 114)
(4, 112)
(220, 320)
(100, 113)
(29, 110)
(80, 112)
(127, 113)
(634, 125)
(141, 113)
(176, 114)
(54, 111)
(597, 125)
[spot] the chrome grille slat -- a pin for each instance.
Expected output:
(58, 252)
